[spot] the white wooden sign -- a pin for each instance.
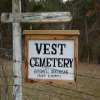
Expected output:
(51, 55)
(51, 59)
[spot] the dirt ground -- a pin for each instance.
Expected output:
(87, 86)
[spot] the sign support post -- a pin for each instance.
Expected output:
(17, 53)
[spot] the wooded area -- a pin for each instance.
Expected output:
(86, 18)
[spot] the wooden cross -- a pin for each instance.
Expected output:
(16, 17)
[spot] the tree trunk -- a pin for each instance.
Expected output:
(87, 41)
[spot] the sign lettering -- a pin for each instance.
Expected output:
(51, 59)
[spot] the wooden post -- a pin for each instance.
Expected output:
(37, 17)
(17, 53)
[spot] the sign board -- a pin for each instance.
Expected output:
(51, 54)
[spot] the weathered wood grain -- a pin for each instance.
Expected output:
(17, 52)
(45, 17)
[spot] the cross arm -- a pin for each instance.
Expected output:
(42, 17)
